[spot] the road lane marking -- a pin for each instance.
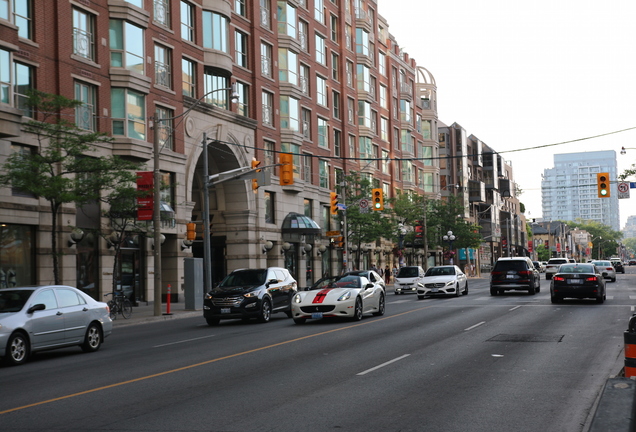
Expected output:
(400, 301)
(516, 307)
(207, 362)
(183, 341)
(383, 364)
(476, 325)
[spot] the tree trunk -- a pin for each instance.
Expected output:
(56, 270)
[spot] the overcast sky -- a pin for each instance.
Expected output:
(527, 74)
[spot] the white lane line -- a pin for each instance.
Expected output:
(476, 325)
(516, 307)
(399, 301)
(183, 341)
(383, 364)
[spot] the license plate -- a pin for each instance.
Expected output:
(511, 277)
(574, 281)
(435, 290)
(316, 315)
(225, 310)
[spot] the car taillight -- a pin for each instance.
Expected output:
(591, 279)
(610, 268)
(525, 272)
(496, 273)
(558, 278)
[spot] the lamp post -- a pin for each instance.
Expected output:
(624, 150)
(156, 219)
(450, 238)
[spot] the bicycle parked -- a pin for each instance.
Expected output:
(119, 304)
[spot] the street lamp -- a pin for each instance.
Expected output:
(156, 219)
(624, 150)
(450, 238)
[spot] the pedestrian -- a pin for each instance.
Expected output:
(387, 274)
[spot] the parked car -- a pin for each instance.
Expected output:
(339, 296)
(514, 273)
(578, 281)
(606, 268)
(618, 266)
(373, 277)
(409, 279)
(632, 262)
(540, 267)
(250, 293)
(34, 319)
(443, 280)
(553, 266)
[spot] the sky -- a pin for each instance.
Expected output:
(524, 75)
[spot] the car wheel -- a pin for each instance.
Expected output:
(420, 297)
(600, 299)
(288, 313)
(457, 290)
(300, 320)
(93, 338)
(555, 299)
(17, 349)
(613, 279)
(266, 311)
(493, 291)
(357, 312)
(381, 305)
(213, 321)
(465, 289)
(533, 289)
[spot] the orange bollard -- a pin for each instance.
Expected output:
(629, 338)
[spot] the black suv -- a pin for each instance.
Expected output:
(618, 266)
(250, 293)
(515, 273)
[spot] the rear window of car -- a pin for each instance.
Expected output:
(510, 265)
(408, 272)
(576, 269)
(558, 261)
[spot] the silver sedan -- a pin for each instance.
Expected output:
(48, 317)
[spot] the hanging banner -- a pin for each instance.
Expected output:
(145, 205)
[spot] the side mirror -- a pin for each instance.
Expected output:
(37, 307)
(369, 285)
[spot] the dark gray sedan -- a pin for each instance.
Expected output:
(48, 317)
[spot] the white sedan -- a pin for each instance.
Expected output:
(339, 296)
(443, 280)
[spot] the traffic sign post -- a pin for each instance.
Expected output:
(623, 190)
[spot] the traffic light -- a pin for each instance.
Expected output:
(191, 231)
(287, 170)
(334, 203)
(339, 242)
(255, 164)
(603, 185)
(378, 199)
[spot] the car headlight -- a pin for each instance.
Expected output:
(345, 296)
(252, 294)
(450, 282)
(298, 298)
(208, 296)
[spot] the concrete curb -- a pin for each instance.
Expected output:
(616, 409)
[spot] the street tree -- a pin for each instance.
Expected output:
(61, 169)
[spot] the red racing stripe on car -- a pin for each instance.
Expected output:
(320, 297)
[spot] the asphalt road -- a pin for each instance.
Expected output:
(473, 363)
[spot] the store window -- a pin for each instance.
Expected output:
(17, 255)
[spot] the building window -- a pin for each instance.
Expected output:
(240, 48)
(319, 11)
(243, 99)
(265, 13)
(24, 152)
(286, 19)
(138, 3)
(407, 171)
(384, 129)
(268, 108)
(337, 143)
(287, 66)
(405, 140)
(383, 97)
(129, 113)
(382, 63)
(215, 31)
(216, 88)
(349, 72)
(5, 77)
(364, 114)
(348, 36)
(289, 112)
(187, 21)
(266, 60)
(321, 50)
(239, 7)
(268, 152)
(366, 148)
(303, 33)
(323, 174)
(294, 149)
(426, 129)
(163, 66)
(164, 127)
(362, 42)
(188, 77)
(304, 79)
(85, 113)
(269, 207)
(126, 46)
(336, 105)
(321, 91)
(335, 66)
(334, 28)
(426, 153)
(364, 78)
(83, 34)
(23, 82)
(351, 114)
(20, 13)
(307, 169)
(306, 125)
(352, 146)
(162, 12)
(323, 133)
(385, 162)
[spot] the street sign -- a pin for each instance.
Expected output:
(364, 205)
(333, 233)
(623, 190)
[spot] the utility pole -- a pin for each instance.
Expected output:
(156, 217)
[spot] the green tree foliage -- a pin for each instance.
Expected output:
(604, 238)
(61, 169)
(444, 216)
(542, 252)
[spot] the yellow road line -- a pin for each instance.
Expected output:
(204, 363)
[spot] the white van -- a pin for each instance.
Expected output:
(409, 279)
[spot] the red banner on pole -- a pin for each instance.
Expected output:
(530, 249)
(145, 205)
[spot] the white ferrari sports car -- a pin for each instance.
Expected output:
(338, 296)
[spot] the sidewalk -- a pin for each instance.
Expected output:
(145, 313)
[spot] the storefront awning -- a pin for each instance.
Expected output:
(296, 223)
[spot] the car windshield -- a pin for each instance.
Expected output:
(338, 282)
(13, 300)
(245, 278)
(408, 272)
(440, 271)
(577, 269)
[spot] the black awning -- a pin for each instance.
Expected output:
(296, 223)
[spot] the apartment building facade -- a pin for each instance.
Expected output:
(321, 79)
